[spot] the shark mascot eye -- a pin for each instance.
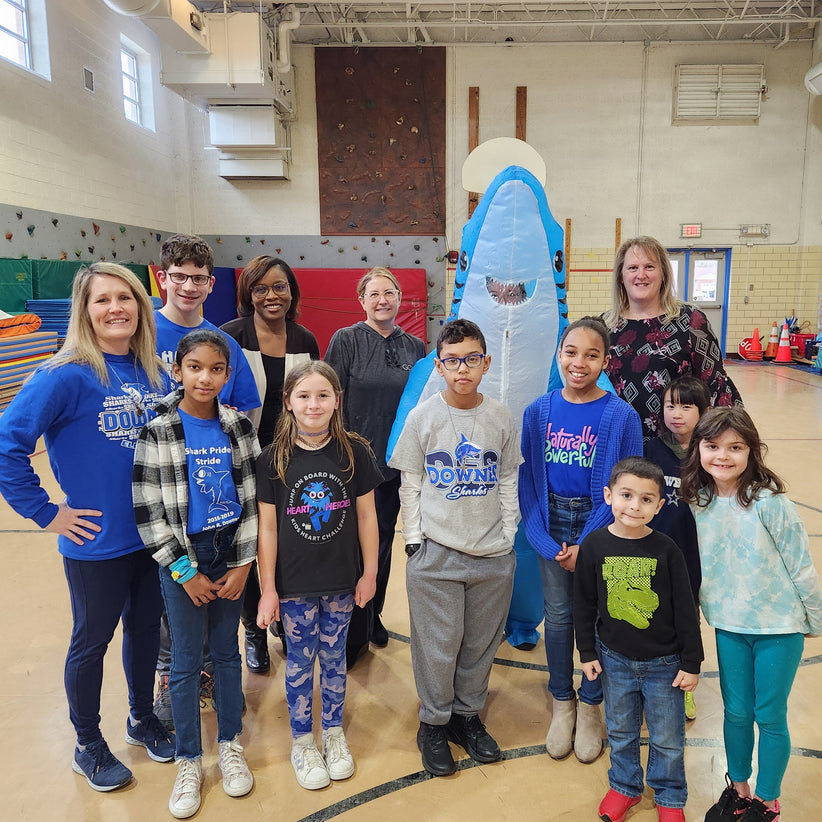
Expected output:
(511, 281)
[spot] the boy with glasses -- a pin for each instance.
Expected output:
(458, 454)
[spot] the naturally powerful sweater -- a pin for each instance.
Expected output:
(620, 435)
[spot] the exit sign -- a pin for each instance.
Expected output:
(691, 231)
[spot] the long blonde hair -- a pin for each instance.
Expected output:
(377, 271)
(669, 303)
(285, 434)
(81, 342)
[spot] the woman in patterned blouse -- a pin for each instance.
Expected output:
(656, 338)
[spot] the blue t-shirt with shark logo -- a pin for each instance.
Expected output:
(212, 497)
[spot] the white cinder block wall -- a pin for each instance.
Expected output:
(599, 114)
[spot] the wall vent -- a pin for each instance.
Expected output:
(730, 93)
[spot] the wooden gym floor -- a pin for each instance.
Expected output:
(381, 708)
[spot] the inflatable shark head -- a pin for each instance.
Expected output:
(510, 281)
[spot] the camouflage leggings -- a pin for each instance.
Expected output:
(315, 626)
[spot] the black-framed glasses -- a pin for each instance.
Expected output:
(280, 289)
(453, 363)
(179, 278)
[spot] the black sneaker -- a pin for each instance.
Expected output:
(730, 807)
(379, 634)
(162, 704)
(469, 733)
(433, 745)
(102, 770)
(759, 812)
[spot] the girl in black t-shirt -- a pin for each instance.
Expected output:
(317, 556)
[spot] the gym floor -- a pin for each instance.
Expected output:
(381, 707)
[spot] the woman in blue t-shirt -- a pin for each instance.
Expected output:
(89, 402)
(194, 494)
(571, 438)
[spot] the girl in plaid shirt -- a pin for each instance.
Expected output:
(195, 503)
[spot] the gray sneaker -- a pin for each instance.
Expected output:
(162, 704)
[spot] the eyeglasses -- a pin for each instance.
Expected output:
(179, 278)
(262, 290)
(453, 363)
(376, 296)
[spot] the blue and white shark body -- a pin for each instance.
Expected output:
(511, 282)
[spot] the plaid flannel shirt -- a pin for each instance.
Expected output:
(160, 484)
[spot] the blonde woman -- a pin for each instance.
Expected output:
(656, 338)
(89, 402)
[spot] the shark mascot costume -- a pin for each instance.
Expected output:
(510, 281)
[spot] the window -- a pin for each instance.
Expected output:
(135, 71)
(730, 93)
(14, 32)
(131, 86)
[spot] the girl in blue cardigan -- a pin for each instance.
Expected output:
(571, 439)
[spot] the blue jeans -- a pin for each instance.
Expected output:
(568, 516)
(102, 592)
(185, 621)
(632, 686)
(756, 672)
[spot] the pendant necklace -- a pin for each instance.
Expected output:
(130, 389)
(470, 438)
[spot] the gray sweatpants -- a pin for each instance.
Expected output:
(458, 605)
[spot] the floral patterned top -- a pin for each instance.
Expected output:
(646, 355)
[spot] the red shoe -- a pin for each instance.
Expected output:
(670, 814)
(615, 805)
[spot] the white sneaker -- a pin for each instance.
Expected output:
(308, 763)
(338, 758)
(185, 797)
(237, 778)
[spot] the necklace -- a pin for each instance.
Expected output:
(131, 390)
(312, 433)
(314, 446)
(461, 437)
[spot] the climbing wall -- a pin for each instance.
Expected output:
(381, 140)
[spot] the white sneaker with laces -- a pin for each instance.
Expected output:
(185, 797)
(237, 778)
(309, 767)
(338, 758)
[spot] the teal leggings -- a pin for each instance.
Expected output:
(756, 672)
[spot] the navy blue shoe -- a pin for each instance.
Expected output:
(153, 736)
(102, 770)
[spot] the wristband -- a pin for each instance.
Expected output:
(182, 570)
(412, 548)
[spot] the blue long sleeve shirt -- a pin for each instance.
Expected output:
(90, 431)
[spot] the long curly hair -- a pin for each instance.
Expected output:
(698, 486)
(285, 434)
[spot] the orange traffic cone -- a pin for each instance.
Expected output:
(773, 343)
(756, 345)
(784, 352)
